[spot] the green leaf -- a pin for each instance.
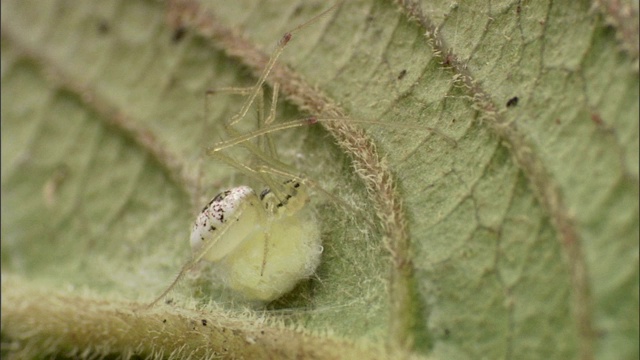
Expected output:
(521, 236)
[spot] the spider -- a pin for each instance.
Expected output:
(262, 244)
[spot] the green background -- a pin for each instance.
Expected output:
(524, 234)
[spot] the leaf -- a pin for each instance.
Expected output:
(521, 237)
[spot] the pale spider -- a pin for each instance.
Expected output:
(262, 244)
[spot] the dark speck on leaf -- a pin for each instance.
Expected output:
(103, 27)
(178, 34)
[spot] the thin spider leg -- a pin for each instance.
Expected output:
(274, 103)
(207, 130)
(261, 119)
(272, 60)
(268, 161)
(188, 266)
(270, 147)
(243, 91)
(265, 145)
(231, 132)
(257, 91)
(197, 193)
(261, 177)
(245, 169)
(259, 132)
(258, 86)
(266, 252)
(310, 121)
(264, 152)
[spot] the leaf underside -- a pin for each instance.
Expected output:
(522, 219)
